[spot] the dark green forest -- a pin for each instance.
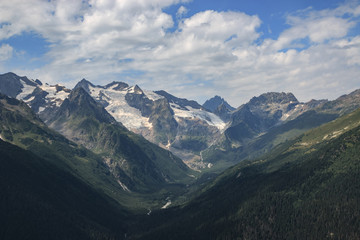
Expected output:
(294, 194)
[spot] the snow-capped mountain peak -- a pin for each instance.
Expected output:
(178, 124)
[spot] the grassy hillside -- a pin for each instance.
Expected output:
(304, 189)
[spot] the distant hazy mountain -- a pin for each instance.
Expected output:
(213, 103)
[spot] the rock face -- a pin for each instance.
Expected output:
(220, 107)
(213, 103)
(79, 104)
(259, 115)
(181, 102)
(43, 99)
(272, 109)
(12, 85)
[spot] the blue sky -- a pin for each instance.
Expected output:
(193, 49)
(272, 13)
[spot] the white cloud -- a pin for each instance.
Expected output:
(316, 26)
(181, 12)
(208, 53)
(6, 52)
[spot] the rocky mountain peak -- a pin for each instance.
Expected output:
(84, 84)
(119, 85)
(223, 112)
(38, 82)
(181, 102)
(80, 104)
(79, 94)
(60, 88)
(344, 104)
(12, 84)
(137, 90)
(273, 97)
(213, 103)
(313, 103)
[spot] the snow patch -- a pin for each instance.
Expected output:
(152, 96)
(166, 205)
(190, 112)
(131, 89)
(25, 91)
(41, 109)
(285, 116)
(30, 99)
(53, 95)
(129, 116)
(124, 187)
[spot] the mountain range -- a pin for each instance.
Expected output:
(190, 131)
(120, 162)
(176, 124)
(269, 120)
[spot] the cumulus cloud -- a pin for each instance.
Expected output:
(316, 26)
(208, 53)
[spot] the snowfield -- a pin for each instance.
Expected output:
(129, 116)
(208, 117)
(113, 98)
(26, 90)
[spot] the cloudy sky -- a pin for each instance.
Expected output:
(191, 48)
